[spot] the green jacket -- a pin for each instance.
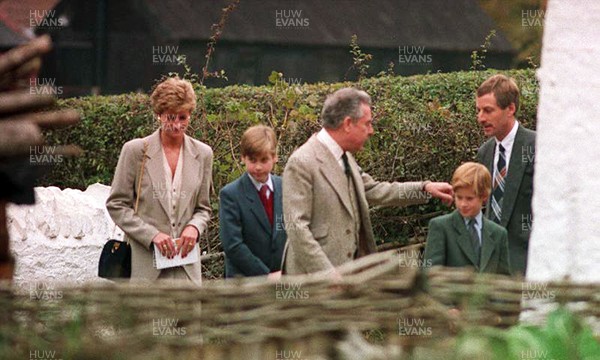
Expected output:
(449, 244)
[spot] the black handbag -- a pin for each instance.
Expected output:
(115, 259)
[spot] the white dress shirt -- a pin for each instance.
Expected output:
(335, 149)
(259, 185)
(507, 143)
(172, 190)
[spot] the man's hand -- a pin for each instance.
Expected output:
(441, 190)
(189, 235)
(335, 276)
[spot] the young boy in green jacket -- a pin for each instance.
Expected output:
(464, 237)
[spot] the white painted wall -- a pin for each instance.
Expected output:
(565, 241)
(59, 239)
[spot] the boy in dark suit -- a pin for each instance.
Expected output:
(465, 237)
(250, 210)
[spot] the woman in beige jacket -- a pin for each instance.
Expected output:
(174, 190)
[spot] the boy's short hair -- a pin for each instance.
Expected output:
(504, 88)
(258, 140)
(473, 176)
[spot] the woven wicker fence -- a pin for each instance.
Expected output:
(383, 298)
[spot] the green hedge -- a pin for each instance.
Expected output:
(425, 127)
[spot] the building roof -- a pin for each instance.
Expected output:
(454, 25)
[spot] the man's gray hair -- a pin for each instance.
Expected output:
(344, 102)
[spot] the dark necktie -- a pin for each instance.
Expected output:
(475, 240)
(498, 188)
(267, 202)
(346, 164)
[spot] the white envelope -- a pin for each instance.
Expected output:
(163, 262)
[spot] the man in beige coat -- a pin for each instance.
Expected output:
(326, 195)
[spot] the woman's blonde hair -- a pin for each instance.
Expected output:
(173, 94)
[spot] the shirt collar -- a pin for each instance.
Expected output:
(478, 219)
(509, 139)
(324, 137)
(258, 185)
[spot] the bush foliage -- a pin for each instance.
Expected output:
(425, 126)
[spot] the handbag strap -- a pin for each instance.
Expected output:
(139, 186)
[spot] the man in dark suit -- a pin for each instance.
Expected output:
(326, 195)
(509, 155)
(250, 211)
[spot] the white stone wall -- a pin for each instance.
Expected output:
(59, 239)
(565, 241)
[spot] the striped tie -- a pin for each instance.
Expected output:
(498, 189)
(475, 239)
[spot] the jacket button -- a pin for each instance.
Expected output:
(349, 255)
(348, 232)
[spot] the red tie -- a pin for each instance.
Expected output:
(267, 202)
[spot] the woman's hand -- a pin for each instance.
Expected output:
(188, 238)
(165, 244)
(274, 276)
